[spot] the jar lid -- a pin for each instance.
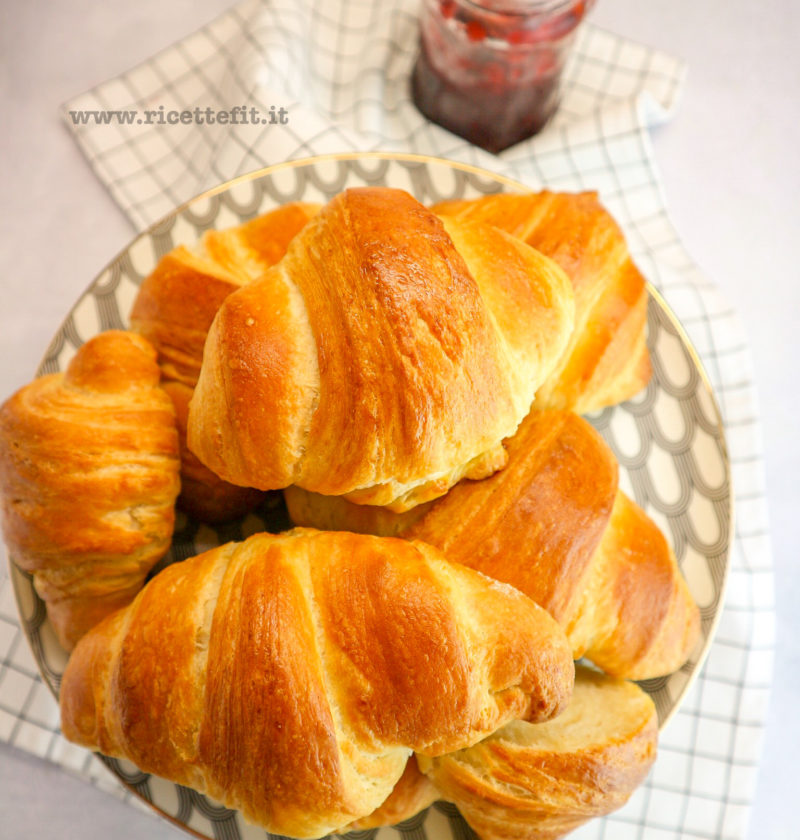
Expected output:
(528, 7)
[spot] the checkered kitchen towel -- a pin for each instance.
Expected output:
(340, 69)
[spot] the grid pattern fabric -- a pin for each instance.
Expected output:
(340, 68)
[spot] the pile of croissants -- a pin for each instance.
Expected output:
(412, 379)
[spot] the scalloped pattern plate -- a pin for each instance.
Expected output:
(669, 441)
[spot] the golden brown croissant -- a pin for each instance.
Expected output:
(413, 793)
(174, 309)
(88, 476)
(386, 356)
(554, 525)
(291, 676)
(541, 781)
(607, 359)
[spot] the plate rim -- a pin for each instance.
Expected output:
(725, 455)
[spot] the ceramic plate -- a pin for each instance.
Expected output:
(669, 441)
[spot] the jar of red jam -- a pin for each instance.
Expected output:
(490, 70)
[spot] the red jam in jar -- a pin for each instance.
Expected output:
(489, 70)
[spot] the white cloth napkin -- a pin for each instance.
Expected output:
(340, 69)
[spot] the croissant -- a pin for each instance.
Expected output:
(412, 793)
(541, 781)
(554, 524)
(385, 357)
(292, 675)
(174, 309)
(88, 479)
(607, 360)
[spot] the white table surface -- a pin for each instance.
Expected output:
(731, 167)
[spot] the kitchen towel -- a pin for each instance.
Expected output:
(332, 76)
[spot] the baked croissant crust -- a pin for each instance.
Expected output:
(541, 781)
(384, 358)
(607, 360)
(174, 309)
(293, 675)
(554, 524)
(412, 793)
(89, 476)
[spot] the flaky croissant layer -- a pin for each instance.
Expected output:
(606, 360)
(292, 676)
(88, 479)
(527, 782)
(385, 356)
(554, 524)
(174, 309)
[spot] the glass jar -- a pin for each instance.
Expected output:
(490, 70)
